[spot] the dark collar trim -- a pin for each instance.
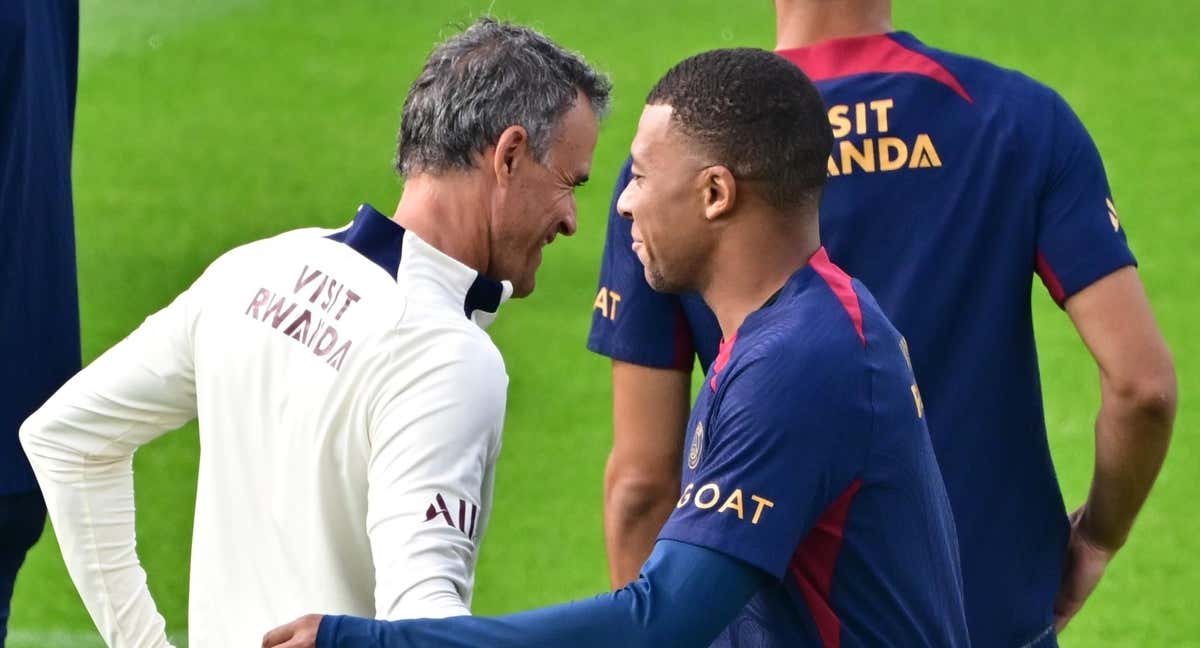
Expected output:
(381, 240)
(374, 236)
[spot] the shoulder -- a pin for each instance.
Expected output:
(261, 250)
(988, 77)
(816, 338)
(471, 348)
(812, 346)
(443, 346)
(992, 86)
(446, 372)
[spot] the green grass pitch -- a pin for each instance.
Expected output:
(205, 125)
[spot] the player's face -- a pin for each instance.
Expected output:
(539, 202)
(665, 200)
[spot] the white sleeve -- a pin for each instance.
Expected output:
(81, 444)
(434, 444)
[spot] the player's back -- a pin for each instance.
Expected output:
(951, 182)
(303, 344)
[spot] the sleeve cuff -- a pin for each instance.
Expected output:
(622, 354)
(715, 541)
(1066, 284)
(327, 631)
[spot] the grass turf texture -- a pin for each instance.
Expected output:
(202, 128)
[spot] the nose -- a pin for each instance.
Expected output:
(569, 225)
(624, 202)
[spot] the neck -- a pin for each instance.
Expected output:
(751, 265)
(800, 23)
(447, 212)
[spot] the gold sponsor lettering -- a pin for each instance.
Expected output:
(924, 154)
(915, 391)
(875, 154)
(837, 119)
(686, 496)
(850, 154)
(881, 108)
(893, 152)
(762, 503)
(712, 501)
(708, 495)
(606, 302)
(734, 502)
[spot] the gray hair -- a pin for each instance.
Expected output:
(476, 84)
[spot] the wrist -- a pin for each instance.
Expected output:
(1087, 532)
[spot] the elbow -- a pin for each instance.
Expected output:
(47, 444)
(634, 491)
(32, 436)
(1151, 395)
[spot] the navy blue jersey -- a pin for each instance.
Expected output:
(39, 308)
(951, 183)
(808, 458)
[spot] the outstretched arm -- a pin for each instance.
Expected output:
(685, 596)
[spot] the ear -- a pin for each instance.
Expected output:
(511, 149)
(720, 192)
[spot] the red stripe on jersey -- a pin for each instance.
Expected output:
(722, 360)
(879, 53)
(812, 565)
(841, 285)
(1050, 279)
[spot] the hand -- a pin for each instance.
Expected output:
(1085, 564)
(301, 633)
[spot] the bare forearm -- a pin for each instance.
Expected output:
(1133, 431)
(1138, 398)
(641, 481)
(634, 512)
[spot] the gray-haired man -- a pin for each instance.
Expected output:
(350, 404)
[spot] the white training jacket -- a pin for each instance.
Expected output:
(350, 410)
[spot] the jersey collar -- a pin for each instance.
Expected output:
(424, 270)
(891, 53)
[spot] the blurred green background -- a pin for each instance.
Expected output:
(201, 126)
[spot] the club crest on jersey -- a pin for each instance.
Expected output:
(697, 446)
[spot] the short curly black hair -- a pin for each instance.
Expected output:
(758, 115)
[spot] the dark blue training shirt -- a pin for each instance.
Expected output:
(39, 307)
(812, 510)
(808, 458)
(952, 182)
